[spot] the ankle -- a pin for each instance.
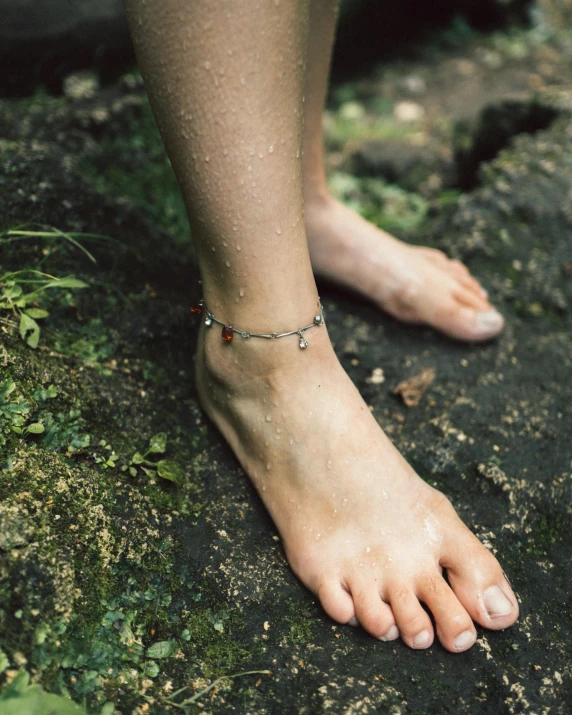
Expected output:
(317, 196)
(249, 360)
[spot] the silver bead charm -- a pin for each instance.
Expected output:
(318, 320)
(303, 342)
(208, 321)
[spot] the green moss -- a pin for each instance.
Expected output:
(134, 163)
(388, 206)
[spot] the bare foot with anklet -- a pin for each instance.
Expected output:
(361, 530)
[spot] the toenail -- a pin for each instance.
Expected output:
(391, 634)
(465, 640)
(422, 640)
(489, 320)
(496, 602)
(353, 622)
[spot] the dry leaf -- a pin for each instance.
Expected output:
(413, 389)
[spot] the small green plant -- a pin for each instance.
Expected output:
(165, 468)
(21, 293)
(15, 412)
(387, 205)
(24, 292)
(107, 461)
(20, 697)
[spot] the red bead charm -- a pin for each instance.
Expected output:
(227, 333)
(197, 308)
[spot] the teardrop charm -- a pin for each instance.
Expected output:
(303, 342)
(227, 333)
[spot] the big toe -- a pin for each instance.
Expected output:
(481, 586)
(462, 322)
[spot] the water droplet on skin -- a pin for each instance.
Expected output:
(242, 81)
(329, 464)
(269, 417)
(224, 244)
(213, 249)
(241, 292)
(278, 230)
(264, 488)
(291, 441)
(225, 152)
(367, 550)
(298, 507)
(207, 158)
(374, 563)
(333, 495)
(318, 537)
(261, 156)
(268, 466)
(344, 503)
(207, 65)
(361, 563)
(228, 264)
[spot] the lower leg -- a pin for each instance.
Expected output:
(360, 528)
(414, 284)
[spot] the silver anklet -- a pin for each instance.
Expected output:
(228, 331)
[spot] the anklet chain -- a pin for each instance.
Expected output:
(228, 331)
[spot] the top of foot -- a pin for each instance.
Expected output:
(412, 283)
(360, 529)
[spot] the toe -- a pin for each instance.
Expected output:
(337, 602)
(454, 626)
(436, 256)
(458, 268)
(467, 323)
(480, 584)
(460, 271)
(375, 616)
(413, 622)
(468, 297)
(472, 284)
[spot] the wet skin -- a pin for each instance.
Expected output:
(360, 529)
(412, 283)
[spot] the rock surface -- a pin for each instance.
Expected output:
(44, 40)
(118, 585)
